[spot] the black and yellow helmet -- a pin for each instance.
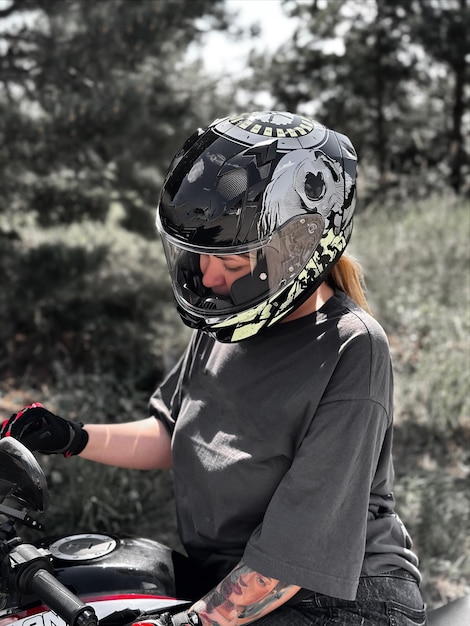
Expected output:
(273, 185)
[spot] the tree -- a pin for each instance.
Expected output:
(364, 68)
(441, 28)
(94, 98)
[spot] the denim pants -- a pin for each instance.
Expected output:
(391, 599)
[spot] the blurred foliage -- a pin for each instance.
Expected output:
(393, 76)
(94, 98)
(93, 298)
(417, 263)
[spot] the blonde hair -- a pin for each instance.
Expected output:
(348, 276)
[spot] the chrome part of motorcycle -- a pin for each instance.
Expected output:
(82, 547)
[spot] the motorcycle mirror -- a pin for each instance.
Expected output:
(21, 476)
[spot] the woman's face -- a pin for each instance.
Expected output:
(250, 588)
(220, 272)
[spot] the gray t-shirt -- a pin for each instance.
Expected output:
(282, 451)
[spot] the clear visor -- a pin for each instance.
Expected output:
(221, 281)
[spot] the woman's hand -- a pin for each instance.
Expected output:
(39, 429)
(242, 597)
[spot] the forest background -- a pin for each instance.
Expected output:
(95, 97)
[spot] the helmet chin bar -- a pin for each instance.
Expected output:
(215, 303)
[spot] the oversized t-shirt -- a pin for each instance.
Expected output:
(282, 451)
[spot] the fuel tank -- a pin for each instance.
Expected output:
(95, 565)
(92, 563)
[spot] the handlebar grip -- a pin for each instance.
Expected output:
(61, 600)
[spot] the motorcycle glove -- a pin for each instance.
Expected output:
(190, 618)
(40, 430)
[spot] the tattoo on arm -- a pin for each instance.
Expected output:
(242, 597)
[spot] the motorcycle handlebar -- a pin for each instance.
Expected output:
(29, 570)
(62, 601)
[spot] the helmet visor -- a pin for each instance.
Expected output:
(222, 281)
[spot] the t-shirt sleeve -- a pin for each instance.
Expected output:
(163, 404)
(314, 530)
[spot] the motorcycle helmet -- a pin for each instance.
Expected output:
(274, 186)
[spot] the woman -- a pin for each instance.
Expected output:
(277, 420)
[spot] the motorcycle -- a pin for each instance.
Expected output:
(77, 580)
(90, 579)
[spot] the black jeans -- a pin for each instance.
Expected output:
(391, 599)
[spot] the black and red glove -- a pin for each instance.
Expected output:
(190, 618)
(39, 429)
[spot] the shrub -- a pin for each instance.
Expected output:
(90, 298)
(416, 262)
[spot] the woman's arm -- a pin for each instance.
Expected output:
(242, 598)
(141, 445)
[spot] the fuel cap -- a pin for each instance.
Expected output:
(82, 547)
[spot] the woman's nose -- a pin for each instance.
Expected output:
(212, 271)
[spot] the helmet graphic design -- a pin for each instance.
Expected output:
(272, 186)
(307, 181)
